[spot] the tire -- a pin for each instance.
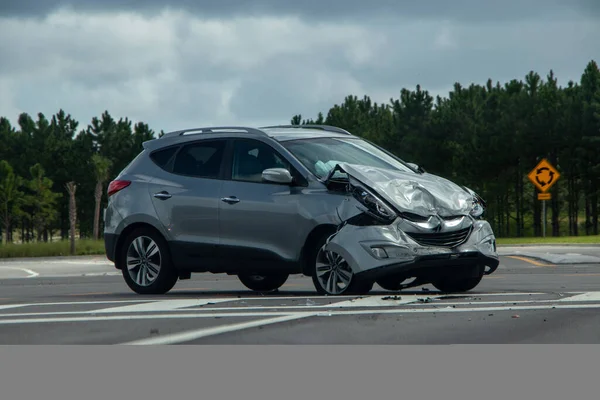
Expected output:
(457, 284)
(342, 271)
(158, 273)
(263, 283)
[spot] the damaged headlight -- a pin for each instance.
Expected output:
(478, 204)
(375, 207)
(477, 209)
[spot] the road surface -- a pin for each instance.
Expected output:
(538, 295)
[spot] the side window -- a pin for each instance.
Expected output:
(162, 157)
(251, 158)
(202, 159)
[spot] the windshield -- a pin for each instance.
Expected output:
(321, 155)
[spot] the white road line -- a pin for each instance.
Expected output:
(377, 301)
(254, 311)
(70, 303)
(7, 306)
(358, 305)
(473, 295)
(473, 309)
(202, 333)
(296, 315)
(149, 305)
(31, 273)
(88, 319)
(589, 296)
(162, 305)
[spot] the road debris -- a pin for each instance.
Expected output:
(392, 298)
(426, 300)
(516, 316)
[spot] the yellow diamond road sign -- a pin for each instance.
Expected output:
(544, 176)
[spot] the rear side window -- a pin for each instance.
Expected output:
(201, 159)
(162, 157)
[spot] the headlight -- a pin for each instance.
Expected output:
(477, 209)
(478, 204)
(374, 206)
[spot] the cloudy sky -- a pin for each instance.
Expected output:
(188, 63)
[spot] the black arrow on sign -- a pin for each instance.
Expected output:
(539, 171)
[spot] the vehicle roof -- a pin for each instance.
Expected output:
(284, 134)
(280, 133)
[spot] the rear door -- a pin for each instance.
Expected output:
(186, 199)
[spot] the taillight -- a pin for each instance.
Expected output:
(117, 185)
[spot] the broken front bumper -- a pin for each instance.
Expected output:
(378, 251)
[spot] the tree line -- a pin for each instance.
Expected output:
(487, 137)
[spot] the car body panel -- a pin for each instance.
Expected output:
(422, 194)
(191, 215)
(271, 222)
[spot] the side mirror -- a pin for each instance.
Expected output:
(417, 167)
(277, 175)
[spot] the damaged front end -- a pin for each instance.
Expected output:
(399, 225)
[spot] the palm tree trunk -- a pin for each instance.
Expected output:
(98, 196)
(71, 188)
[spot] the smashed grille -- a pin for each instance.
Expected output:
(445, 239)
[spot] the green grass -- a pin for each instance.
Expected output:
(550, 240)
(83, 247)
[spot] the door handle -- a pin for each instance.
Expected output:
(162, 195)
(230, 200)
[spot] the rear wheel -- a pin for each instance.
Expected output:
(332, 275)
(263, 283)
(460, 283)
(146, 263)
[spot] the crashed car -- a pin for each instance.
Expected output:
(267, 203)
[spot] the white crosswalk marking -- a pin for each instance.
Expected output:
(265, 310)
(164, 305)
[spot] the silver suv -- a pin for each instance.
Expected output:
(266, 203)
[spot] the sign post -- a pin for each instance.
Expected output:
(543, 177)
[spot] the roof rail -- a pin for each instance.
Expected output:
(309, 126)
(214, 129)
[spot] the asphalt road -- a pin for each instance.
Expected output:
(538, 295)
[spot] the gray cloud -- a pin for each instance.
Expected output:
(177, 69)
(356, 10)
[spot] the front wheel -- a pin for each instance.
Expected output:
(145, 263)
(263, 283)
(457, 284)
(332, 275)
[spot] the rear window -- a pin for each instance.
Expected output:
(162, 157)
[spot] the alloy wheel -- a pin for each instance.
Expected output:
(144, 260)
(333, 272)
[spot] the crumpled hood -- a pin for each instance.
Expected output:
(422, 194)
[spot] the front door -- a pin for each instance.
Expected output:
(261, 226)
